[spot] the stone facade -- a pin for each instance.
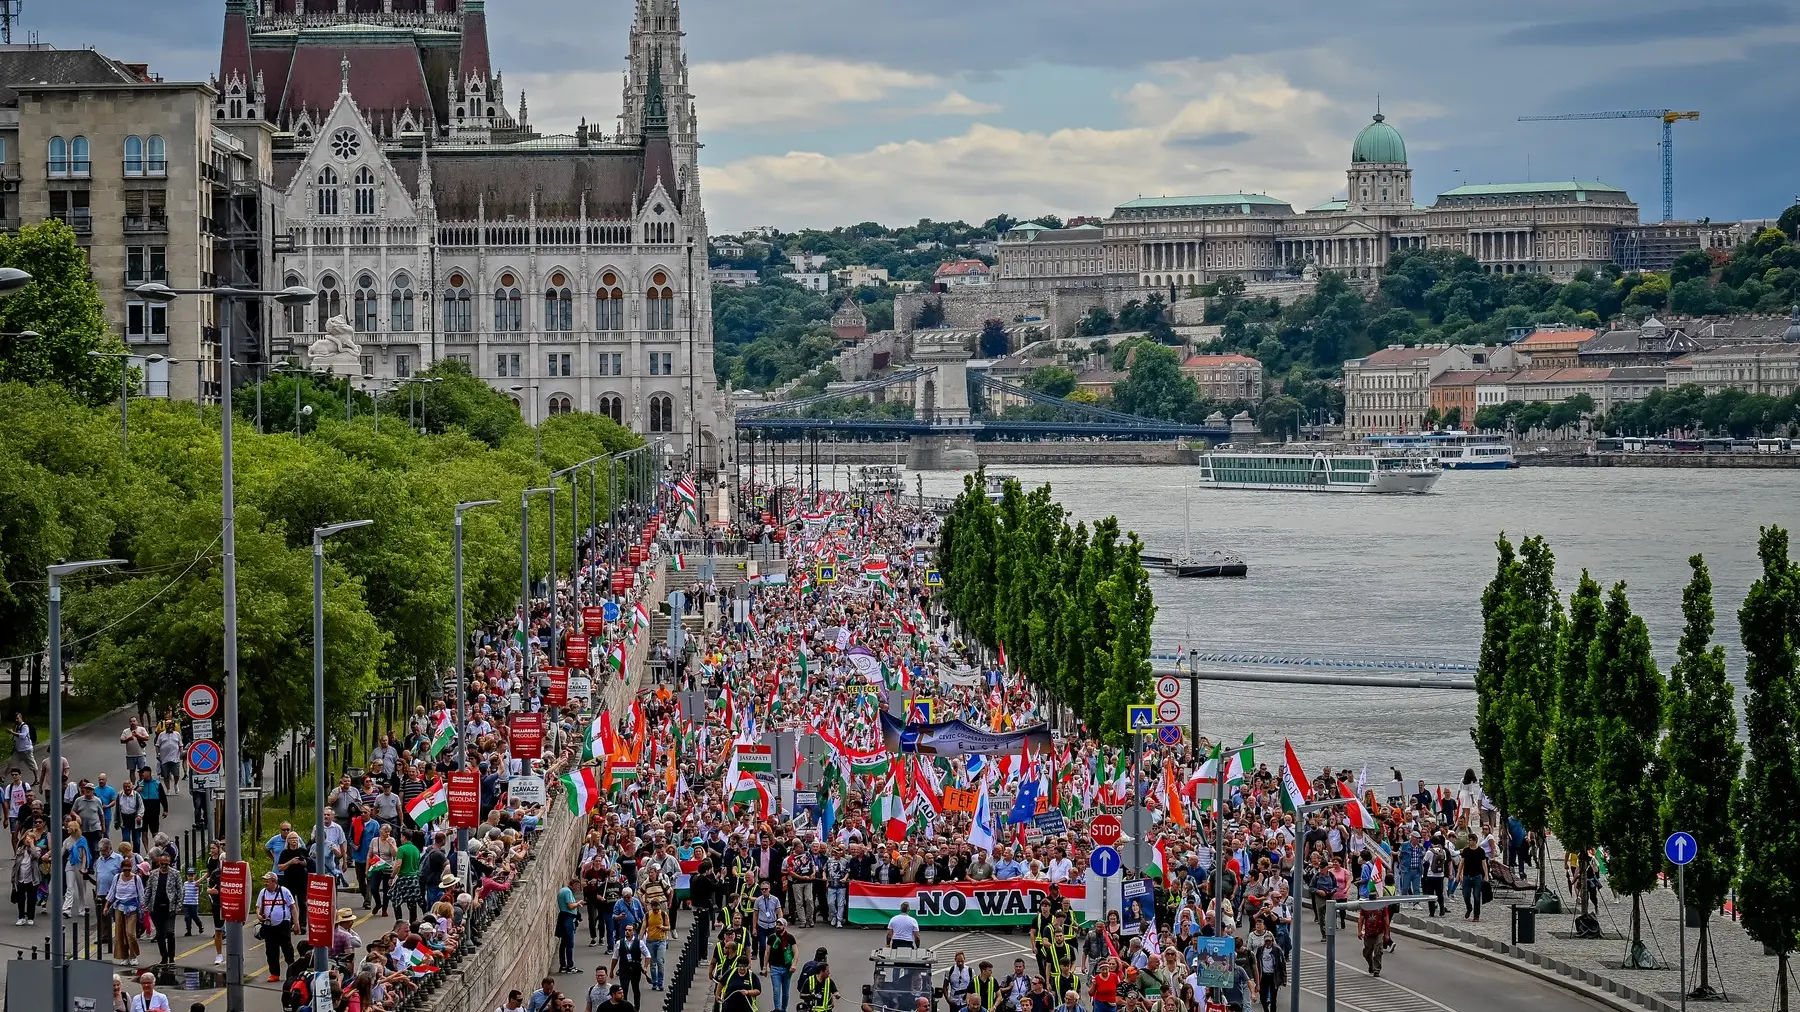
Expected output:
(1168, 244)
(567, 270)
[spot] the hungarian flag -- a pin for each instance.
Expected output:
(615, 658)
(430, 806)
(753, 758)
(681, 562)
(1295, 791)
(1159, 861)
(1356, 813)
(1002, 657)
(443, 734)
(1121, 779)
(889, 813)
(750, 791)
(640, 616)
(1245, 760)
(582, 790)
(755, 627)
(686, 490)
(621, 768)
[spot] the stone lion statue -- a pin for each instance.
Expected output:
(338, 340)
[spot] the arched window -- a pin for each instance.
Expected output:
(78, 157)
(400, 304)
(459, 318)
(609, 304)
(365, 191)
(328, 191)
(509, 312)
(611, 406)
(559, 308)
(560, 405)
(59, 157)
(662, 414)
(331, 300)
(134, 155)
(156, 156)
(296, 315)
(660, 302)
(365, 302)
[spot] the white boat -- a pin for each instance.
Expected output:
(1318, 471)
(879, 480)
(1454, 451)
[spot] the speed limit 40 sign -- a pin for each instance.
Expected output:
(1168, 687)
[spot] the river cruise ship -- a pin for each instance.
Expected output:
(1299, 470)
(1454, 451)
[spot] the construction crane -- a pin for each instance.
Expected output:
(1668, 117)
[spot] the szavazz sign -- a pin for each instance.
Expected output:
(961, 905)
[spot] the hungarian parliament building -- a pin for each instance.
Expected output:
(1555, 228)
(567, 270)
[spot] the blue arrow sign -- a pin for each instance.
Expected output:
(1140, 717)
(1680, 848)
(610, 611)
(1104, 861)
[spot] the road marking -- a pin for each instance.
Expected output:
(1357, 990)
(977, 946)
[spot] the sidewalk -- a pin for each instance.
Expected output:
(1738, 966)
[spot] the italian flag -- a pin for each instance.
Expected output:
(443, 734)
(1159, 861)
(1295, 791)
(582, 790)
(430, 806)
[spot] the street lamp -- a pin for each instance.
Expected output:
(319, 536)
(125, 390)
(525, 570)
(519, 388)
(298, 411)
(12, 279)
(156, 291)
(1218, 868)
(417, 387)
(59, 970)
(1294, 922)
(573, 473)
(456, 551)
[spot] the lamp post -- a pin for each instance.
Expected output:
(525, 568)
(418, 386)
(59, 970)
(1331, 909)
(536, 425)
(319, 535)
(573, 473)
(1218, 868)
(1300, 816)
(296, 373)
(456, 552)
(156, 291)
(125, 390)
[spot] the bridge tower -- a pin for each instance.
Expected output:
(941, 398)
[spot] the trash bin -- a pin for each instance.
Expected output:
(1524, 924)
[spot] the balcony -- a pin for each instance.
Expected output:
(145, 277)
(69, 168)
(138, 223)
(141, 168)
(81, 221)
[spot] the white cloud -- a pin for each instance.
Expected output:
(793, 90)
(955, 103)
(1192, 127)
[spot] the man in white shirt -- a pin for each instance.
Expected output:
(902, 930)
(1061, 868)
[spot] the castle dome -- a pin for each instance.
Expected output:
(1379, 142)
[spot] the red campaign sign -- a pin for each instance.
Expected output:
(577, 651)
(234, 890)
(593, 620)
(465, 799)
(622, 580)
(321, 903)
(528, 736)
(558, 695)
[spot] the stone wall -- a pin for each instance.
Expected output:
(520, 945)
(1060, 310)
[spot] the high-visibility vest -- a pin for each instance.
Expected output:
(988, 992)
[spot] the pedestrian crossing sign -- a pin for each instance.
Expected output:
(920, 711)
(933, 578)
(1140, 718)
(827, 573)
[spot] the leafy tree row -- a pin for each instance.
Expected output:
(1689, 409)
(69, 490)
(1072, 608)
(1578, 731)
(1526, 416)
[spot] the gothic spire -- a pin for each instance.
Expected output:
(656, 115)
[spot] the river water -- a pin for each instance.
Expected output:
(1345, 575)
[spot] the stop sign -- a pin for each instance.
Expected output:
(1105, 830)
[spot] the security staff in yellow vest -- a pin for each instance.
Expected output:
(987, 989)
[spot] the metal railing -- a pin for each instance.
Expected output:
(681, 976)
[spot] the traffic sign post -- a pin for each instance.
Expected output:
(1168, 711)
(1681, 848)
(201, 702)
(1168, 687)
(1105, 861)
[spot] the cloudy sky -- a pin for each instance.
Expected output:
(826, 112)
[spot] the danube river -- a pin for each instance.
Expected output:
(1339, 575)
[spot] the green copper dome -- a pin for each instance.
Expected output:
(1379, 142)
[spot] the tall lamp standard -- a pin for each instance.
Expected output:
(59, 969)
(525, 569)
(319, 536)
(1300, 816)
(536, 423)
(125, 390)
(156, 291)
(462, 684)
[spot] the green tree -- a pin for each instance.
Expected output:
(1628, 713)
(1055, 380)
(62, 307)
(1490, 673)
(1768, 807)
(1571, 748)
(1155, 387)
(1453, 418)
(994, 342)
(1278, 415)
(463, 401)
(1095, 322)
(1533, 629)
(1701, 758)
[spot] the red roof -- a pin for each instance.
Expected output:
(1559, 338)
(474, 48)
(382, 78)
(962, 267)
(1202, 361)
